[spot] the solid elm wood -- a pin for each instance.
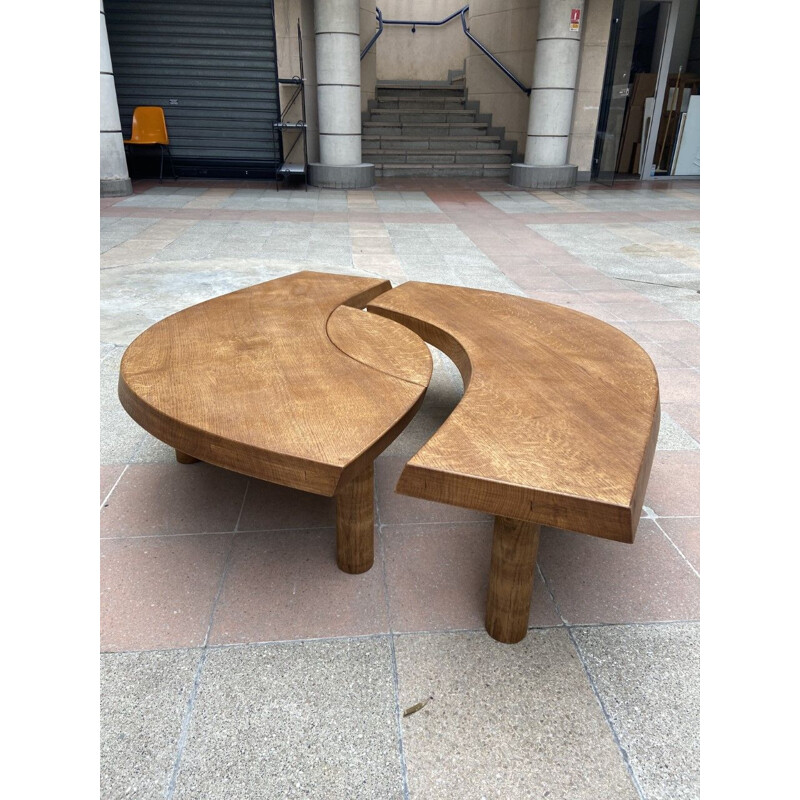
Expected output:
(515, 544)
(252, 382)
(559, 418)
(184, 458)
(558, 426)
(355, 523)
(381, 344)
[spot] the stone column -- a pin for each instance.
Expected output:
(555, 72)
(114, 179)
(336, 32)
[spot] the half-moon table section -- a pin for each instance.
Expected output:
(253, 382)
(557, 425)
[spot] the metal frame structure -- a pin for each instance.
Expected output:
(284, 167)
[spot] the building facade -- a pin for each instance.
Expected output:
(575, 90)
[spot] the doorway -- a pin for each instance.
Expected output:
(648, 125)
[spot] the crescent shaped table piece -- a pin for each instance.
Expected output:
(288, 382)
(557, 426)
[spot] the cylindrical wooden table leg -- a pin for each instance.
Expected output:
(508, 605)
(184, 458)
(355, 535)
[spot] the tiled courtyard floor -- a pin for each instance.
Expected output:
(239, 662)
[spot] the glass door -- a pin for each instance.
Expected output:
(637, 66)
(616, 90)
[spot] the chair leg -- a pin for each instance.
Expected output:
(129, 151)
(161, 168)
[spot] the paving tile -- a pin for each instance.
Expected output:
(661, 358)
(672, 436)
(437, 577)
(686, 350)
(674, 487)
(639, 311)
(688, 309)
(597, 580)
(687, 415)
(120, 436)
(173, 498)
(679, 331)
(286, 585)
(685, 533)
(108, 477)
(143, 700)
(679, 386)
(426, 422)
(648, 678)
(153, 451)
(504, 721)
(306, 719)
(398, 509)
(272, 507)
(157, 592)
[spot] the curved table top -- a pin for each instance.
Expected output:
(559, 419)
(284, 381)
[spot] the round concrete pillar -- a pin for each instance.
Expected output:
(336, 35)
(555, 72)
(114, 179)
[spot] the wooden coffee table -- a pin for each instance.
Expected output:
(288, 381)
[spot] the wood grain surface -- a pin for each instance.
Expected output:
(250, 381)
(559, 418)
(515, 544)
(355, 523)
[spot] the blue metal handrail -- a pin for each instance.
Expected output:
(374, 39)
(462, 12)
(414, 23)
(505, 69)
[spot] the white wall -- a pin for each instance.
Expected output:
(508, 30)
(426, 55)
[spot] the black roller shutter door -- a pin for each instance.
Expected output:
(211, 66)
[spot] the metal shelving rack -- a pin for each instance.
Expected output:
(286, 168)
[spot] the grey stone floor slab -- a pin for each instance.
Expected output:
(406, 202)
(305, 719)
(672, 436)
(648, 678)
(517, 202)
(119, 229)
(143, 701)
(120, 436)
(504, 721)
(136, 296)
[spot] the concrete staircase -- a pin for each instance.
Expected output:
(430, 129)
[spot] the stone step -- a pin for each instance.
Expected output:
(424, 129)
(417, 90)
(473, 156)
(414, 116)
(387, 143)
(393, 101)
(442, 170)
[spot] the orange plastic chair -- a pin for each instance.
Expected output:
(148, 128)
